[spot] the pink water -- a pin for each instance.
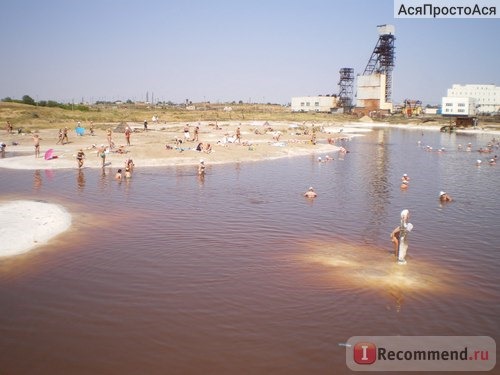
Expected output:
(239, 274)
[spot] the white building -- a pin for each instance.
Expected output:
(487, 97)
(370, 94)
(455, 106)
(314, 103)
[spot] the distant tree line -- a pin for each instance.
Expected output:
(26, 99)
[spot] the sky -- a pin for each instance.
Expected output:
(260, 51)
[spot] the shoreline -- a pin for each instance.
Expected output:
(26, 225)
(148, 147)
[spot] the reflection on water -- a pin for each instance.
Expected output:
(237, 273)
(80, 181)
(37, 180)
(368, 268)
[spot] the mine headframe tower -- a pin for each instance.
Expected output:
(382, 58)
(346, 84)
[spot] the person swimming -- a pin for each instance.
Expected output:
(444, 197)
(310, 193)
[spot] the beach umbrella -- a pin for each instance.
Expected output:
(48, 154)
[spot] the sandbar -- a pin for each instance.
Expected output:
(26, 224)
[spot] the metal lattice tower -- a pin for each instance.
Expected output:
(346, 84)
(382, 58)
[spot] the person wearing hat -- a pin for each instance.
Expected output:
(444, 197)
(399, 237)
(405, 182)
(201, 168)
(310, 193)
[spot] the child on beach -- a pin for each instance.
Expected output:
(60, 137)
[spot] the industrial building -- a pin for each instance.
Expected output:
(486, 98)
(315, 103)
(458, 106)
(371, 93)
(374, 86)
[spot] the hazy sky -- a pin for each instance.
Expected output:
(225, 50)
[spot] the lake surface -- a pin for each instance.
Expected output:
(238, 273)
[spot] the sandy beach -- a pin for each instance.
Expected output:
(259, 141)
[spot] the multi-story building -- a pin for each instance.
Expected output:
(458, 106)
(486, 97)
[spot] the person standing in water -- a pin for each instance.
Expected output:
(201, 168)
(399, 237)
(79, 158)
